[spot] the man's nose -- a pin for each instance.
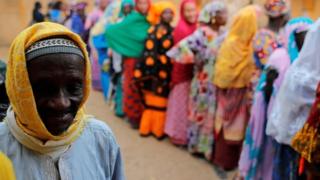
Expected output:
(60, 101)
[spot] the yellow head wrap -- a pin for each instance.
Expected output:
(235, 64)
(6, 168)
(154, 15)
(19, 88)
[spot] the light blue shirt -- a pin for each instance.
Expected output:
(95, 155)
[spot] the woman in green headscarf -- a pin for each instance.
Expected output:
(116, 61)
(127, 38)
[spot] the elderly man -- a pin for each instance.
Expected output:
(46, 133)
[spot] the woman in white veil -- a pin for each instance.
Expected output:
(298, 92)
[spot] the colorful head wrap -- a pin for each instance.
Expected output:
(157, 9)
(125, 3)
(183, 27)
(110, 16)
(80, 5)
(264, 43)
(210, 10)
(98, 2)
(307, 140)
(276, 8)
(182, 72)
(20, 91)
(235, 65)
(297, 93)
(295, 25)
(127, 37)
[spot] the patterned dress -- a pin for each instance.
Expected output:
(152, 75)
(257, 152)
(200, 48)
(181, 76)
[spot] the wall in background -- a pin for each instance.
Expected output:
(15, 15)
(310, 8)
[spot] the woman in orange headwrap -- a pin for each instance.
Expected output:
(153, 71)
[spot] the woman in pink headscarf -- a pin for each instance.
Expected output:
(177, 111)
(187, 22)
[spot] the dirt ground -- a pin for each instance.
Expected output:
(148, 158)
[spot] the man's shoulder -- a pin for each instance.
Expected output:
(5, 137)
(4, 131)
(98, 127)
(99, 132)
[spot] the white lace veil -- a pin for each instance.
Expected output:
(297, 93)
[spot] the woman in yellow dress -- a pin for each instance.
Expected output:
(232, 75)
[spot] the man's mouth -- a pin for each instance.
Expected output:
(60, 119)
(57, 124)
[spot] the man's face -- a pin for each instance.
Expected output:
(57, 82)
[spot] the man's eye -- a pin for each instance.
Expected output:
(75, 88)
(44, 90)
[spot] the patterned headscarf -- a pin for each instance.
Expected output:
(183, 28)
(297, 92)
(125, 3)
(110, 16)
(307, 140)
(264, 43)
(80, 5)
(235, 65)
(295, 25)
(154, 15)
(210, 10)
(276, 8)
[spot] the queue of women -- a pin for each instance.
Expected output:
(224, 93)
(243, 97)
